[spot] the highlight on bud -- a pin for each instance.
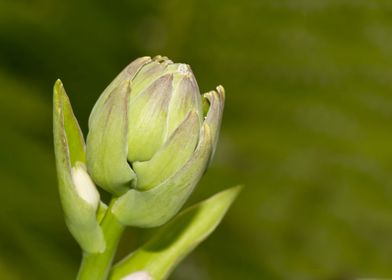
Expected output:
(148, 131)
(84, 185)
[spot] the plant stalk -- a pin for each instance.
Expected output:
(96, 266)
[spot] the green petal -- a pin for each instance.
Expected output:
(147, 75)
(186, 98)
(174, 241)
(216, 99)
(163, 164)
(107, 144)
(80, 216)
(156, 206)
(128, 73)
(147, 119)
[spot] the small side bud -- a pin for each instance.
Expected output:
(78, 194)
(84, 186)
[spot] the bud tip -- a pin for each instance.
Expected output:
(221, 90)
(184, 69)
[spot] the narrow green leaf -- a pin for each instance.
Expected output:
(80, 216)
(159, 256)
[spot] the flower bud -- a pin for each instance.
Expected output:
(78, 194)
(150, 139)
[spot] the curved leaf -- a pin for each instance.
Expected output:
(159, 256)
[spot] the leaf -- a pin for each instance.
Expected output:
(159, 256)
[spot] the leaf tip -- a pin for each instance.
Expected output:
(230, 194)
(58, 86)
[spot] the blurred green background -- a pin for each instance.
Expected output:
(307, 128)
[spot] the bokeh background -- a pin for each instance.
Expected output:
(307, 128)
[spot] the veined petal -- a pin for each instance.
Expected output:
(147, 119)
(156, 206)
(80, 214)
(171, 156)
(107, 144)
(216, 99)
(150, 72)
(186, 98)
(128, 73)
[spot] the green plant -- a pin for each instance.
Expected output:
(151, 137)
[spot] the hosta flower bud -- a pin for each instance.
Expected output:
(79, 196)
(151, 137)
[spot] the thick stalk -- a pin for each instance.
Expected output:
(97, 266)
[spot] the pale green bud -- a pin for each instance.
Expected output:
(78, 194)
(150, 140)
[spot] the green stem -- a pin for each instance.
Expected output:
(96, 266)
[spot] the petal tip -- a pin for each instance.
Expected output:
(221, 91)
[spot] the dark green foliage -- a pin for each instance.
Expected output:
(307, 127)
